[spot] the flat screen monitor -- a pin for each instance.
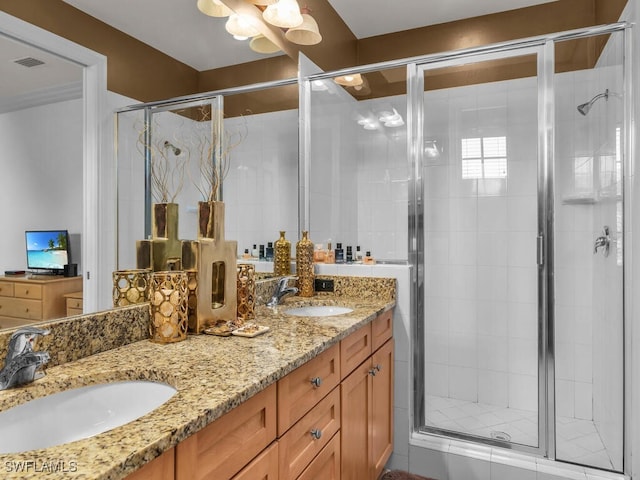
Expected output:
(47, 251)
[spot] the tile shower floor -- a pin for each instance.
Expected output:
(577, 440)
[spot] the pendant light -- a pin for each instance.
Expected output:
(240, 26)
(284, 14)
(214, 8)
(262, 44)
(307, 33)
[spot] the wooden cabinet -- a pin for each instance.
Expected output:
(309, 426)
(223, 448)
(367, 415)
(160, 468)
(25, 300)
(74, 303)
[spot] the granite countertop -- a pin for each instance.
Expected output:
(212, 375)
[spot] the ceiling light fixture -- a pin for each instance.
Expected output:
(391, 119)
(283, 14)
(353, 80)
(240, 26)
(298, 25)
(214, 8)
(307, 33)
(262, 44)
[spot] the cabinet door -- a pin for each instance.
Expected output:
(382, 407)
(355, 425)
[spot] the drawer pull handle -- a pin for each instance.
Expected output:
(316, 381)
(316, 433)
(372, 372)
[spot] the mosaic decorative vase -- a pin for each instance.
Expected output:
(130, 287)
(168, 298)
(246, 282)
(282, 256)
(304, 266)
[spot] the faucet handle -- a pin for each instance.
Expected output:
(22, 341)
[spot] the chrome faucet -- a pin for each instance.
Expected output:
(22, 364)
(281, 291)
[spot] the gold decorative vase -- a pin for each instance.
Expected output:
(168, 298)
(304, 266)
(282, 256)
(130, 287)
(163, 250)
(246, 282)
(214, 260)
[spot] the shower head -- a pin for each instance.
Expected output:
(176, 151)
(585, 107)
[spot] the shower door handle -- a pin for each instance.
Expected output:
(603, 242)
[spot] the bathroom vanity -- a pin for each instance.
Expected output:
(312, 398)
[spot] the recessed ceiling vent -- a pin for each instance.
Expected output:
(29, 62)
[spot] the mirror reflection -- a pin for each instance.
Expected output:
(41, 140)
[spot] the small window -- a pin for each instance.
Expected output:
(484, 157)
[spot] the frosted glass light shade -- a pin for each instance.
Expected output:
(305, 34)
(240, 26)
(262, 44)
(263, 2)
(284, 14)
(214, 8)
(349, 80)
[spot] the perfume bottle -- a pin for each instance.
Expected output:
(368, 259)
(318, 254)
(359, 255)
(254, 251)
(349, 258)
(339, 253)
(329, 255)
(246, 255)
(268, 253)
(261, 253)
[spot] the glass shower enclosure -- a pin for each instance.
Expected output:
(518, 156)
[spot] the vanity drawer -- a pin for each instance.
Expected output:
(28, 291)
(263, 467)
(6, 289)
(381, 329)
(74, 303)
(300, 445)
(301, 389)
(11, 322)
(355, 349)
(327, 464)
(21, 308)
(224, 447)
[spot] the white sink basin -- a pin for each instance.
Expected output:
(318, 311)
(78, 413)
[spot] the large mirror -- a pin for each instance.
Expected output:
(260, 168)
(49, 117)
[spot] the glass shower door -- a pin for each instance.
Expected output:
(479, 171)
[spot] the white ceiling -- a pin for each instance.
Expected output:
(177, 28)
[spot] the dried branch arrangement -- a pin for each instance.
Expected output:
(168, 165)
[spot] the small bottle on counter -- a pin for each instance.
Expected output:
(261, 253)
(349, 258)
(359, 255)
(268, 253)
(254, 251)
(329, 255)
(246, 255)
(318, 254)
(339, 253)
(368, 259)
